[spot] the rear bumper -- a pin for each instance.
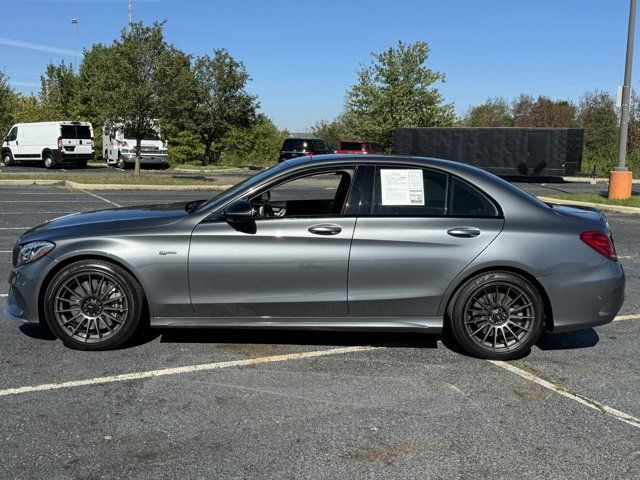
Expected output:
(63, 157)
(585, 298)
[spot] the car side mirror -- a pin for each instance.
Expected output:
(239, 211)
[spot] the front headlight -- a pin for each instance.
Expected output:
(32, 251)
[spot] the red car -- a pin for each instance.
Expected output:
(359, 147)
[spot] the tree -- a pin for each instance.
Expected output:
(495, 112)
(256, 145)
(221, 102)
(8, 106)
(396, 90)
(126, 82)
(543, 112)
(597, 116)
(332, 132)
(58, 91)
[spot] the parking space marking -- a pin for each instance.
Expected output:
(188, 369)
(3, 295)
(15, 228)
(560, 390)
(633, 316)
(101, 198)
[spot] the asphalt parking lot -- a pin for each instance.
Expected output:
(242, 404)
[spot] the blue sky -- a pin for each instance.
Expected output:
(303, 56)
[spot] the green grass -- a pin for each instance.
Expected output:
(128, 179)
(634, 201)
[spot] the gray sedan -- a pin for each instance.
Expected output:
(330, 242)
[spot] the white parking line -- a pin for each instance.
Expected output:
(560, 390)
(101, 198)
(4, 295)
(15, 228)
(178, 370)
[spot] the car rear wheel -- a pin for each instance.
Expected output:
(7, 159)
(49, 162)
(497, 315)
(93, 305)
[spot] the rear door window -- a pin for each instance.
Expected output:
(319, 145)
(75, 132)
(409, 192)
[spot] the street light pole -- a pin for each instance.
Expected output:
(621, 179)
(74, 22)
(130, 16)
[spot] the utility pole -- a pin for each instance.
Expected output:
(74, 22)
(130, 17)
(621, 179)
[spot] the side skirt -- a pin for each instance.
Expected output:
(432, 324)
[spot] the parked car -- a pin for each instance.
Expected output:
(359, 148)
(54, 143)
(381, 243)
(300, 147)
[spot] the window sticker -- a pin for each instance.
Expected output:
(402, 187)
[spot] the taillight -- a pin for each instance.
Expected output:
(281, 152)
(308, 153)
(59, 143)
(601, 243)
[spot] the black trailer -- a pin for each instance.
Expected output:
(531, 152)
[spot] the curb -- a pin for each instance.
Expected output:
(111, 186)
(636, 181)
(599, 206)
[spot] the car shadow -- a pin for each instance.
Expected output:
(568, 341)
(37, 331)
(297, 337)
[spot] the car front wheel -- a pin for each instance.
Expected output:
(93, 305)
(497, 315)
(7, 159)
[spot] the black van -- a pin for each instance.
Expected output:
(299, 147)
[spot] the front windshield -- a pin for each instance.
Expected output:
(245, 184)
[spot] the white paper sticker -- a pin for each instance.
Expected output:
(402, 187)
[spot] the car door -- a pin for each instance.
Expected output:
(13, 143)
(417, 229)
(291, 261)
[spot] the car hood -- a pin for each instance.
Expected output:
(111, 219)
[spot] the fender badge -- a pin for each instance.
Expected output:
(167, 252)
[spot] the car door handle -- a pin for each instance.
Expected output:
(326, 229)
(464, 232)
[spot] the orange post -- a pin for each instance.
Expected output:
(620, 183)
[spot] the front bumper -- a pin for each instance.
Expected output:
(585, 298)
(156, 160)
(24, 285)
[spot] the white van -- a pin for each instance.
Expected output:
(54, 143)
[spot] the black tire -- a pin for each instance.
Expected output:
(496, 315)
(7, 158)
(99, 287)
(121, 163)
(49, 162)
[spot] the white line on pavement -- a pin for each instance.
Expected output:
(3, 295)
(101, 198)
(560, 390)
(15, 228)
(49, 201)
(633, 316)
(178, 370)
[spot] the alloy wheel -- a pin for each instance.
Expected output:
(499, 316)
(91, 306)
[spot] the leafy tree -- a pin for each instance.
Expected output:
(396, 89)
(543, 112)
(256, 145)
(58, 92)
(495, 112)
(332, 132)
(125, 81)
(597, 116)
(8, 106)
(221, 102)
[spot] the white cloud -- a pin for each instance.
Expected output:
(11, 42)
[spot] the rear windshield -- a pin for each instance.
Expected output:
(294, 144)
(350, 146)
(82, 132)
